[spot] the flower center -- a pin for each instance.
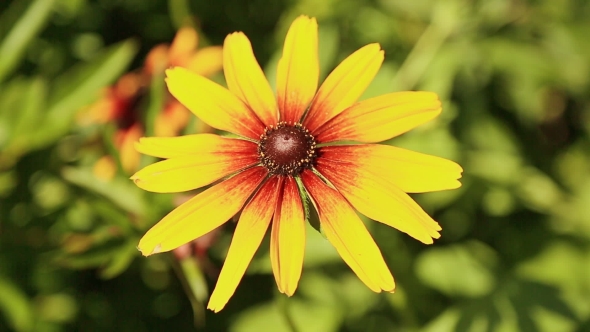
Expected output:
(286, 149)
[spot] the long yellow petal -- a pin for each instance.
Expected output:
(193, 145)
(190, 172)
(212, 103)
(344, 85)
(379, 199)
(298, 70)
(410, 171)
(245, 78)
(247, 237)
(348, 234)
(202, 213)
(288, 238)
(381, 118)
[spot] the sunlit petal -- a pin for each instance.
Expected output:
(410, 171)
(381, 118)
(245, 78)
(193, 145)
(379, 199)
(212, 103)
(298, 70)
(348, 234)
(248, 235)
(344, 85)
(190, 172)
(201, 214)
(287, 240)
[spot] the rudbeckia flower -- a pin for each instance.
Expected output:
(289, 149)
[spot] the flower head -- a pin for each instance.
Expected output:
(289, 149)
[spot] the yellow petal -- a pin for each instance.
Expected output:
(298, 70)
(348, 234)
(248, 235)
(287, 241)
(193, 145)
(190, 172)
(245, 78)
(344, 85)
(184, 44)
(212, 103)
(207, 61)
(410, 171)
(379, 199)
(201, 214)
(381, 118)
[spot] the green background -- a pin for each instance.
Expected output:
(514, 78)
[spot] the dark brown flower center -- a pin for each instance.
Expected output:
(286, 149)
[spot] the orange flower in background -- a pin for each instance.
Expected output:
(121, 102)
(289, 149)
(183, 53)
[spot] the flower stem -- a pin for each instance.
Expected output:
(284, 310)
(425, 49)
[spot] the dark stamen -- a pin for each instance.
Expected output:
(286, 149)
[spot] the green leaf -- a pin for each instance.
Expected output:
(311, 215)
(195, 278)
(464, 270)
(21, 106)
(78, 87)
(180, 13)
(121, 260)
(15, 306)
(19, 37)
(292, 315)
(30, 114)
(11, 95)
(122, 192)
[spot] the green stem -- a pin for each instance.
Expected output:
(424, 51)
(284, 310)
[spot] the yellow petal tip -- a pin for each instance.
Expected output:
(146, 252)
(214, 309)
(429, 241)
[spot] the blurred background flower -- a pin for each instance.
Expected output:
(125, 104)
(513, 79)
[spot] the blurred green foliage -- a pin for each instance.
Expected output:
(514, 77)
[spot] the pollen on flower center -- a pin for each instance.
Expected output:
(286, 149)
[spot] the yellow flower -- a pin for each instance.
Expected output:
(289, 149)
